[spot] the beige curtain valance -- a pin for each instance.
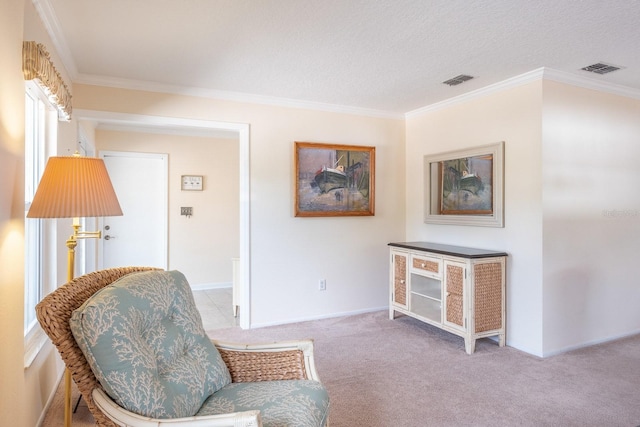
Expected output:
(36, 64)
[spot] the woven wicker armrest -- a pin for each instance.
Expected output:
(287, 360)
(126, 418)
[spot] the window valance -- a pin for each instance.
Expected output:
(36, 64)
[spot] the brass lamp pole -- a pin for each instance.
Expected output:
(74, 187)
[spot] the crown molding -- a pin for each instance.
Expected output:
(534, 75)
(512, 82)
(590, 83)
(52, 26)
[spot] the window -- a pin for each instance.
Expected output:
(40, 135)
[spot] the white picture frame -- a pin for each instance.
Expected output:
(443, 187)
(191, 182)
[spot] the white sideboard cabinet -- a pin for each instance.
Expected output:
(458, 289)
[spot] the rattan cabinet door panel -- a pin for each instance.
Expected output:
(487, 279)
(399, 289)
(454, 294)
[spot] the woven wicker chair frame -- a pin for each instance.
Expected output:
(262, 362)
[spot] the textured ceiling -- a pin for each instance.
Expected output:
(385, 55)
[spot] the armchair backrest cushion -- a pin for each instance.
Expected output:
(144, 340)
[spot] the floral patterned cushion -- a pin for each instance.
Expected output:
(144, 340)
(291, 403)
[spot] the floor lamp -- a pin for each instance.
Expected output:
(74, 187)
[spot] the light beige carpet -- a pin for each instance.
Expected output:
(383, 373)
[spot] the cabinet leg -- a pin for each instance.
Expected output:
(392, 314)
(469, 345)
(502, 340)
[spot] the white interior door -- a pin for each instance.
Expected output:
(139, 236)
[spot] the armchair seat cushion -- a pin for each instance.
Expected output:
(144, 340)
(290, 403)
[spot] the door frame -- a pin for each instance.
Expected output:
(206, 128)
(165, 201)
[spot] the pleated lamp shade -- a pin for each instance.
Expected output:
(74, 187)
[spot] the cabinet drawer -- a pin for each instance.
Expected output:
(425, 264)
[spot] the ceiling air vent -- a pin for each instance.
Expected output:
(601, 68)
(457, 80)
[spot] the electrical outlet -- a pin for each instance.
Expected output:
(322, 285)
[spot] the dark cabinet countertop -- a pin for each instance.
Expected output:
(459, 251)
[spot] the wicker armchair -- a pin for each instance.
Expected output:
(246, 363)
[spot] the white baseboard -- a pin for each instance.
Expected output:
(47, 405)
(214, 285)
(591, 343)
(326, 316)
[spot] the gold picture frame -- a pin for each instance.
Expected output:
(334, 180)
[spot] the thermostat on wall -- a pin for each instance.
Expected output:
(192, 182)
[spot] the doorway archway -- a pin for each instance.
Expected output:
(204, 128)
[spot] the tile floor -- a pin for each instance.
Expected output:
(215, 308)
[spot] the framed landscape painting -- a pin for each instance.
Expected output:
(334, 180)
(465, 187)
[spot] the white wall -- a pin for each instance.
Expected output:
(591, 221)
(289, 254)
(201, 246)
(512, 116)
(12, 383)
